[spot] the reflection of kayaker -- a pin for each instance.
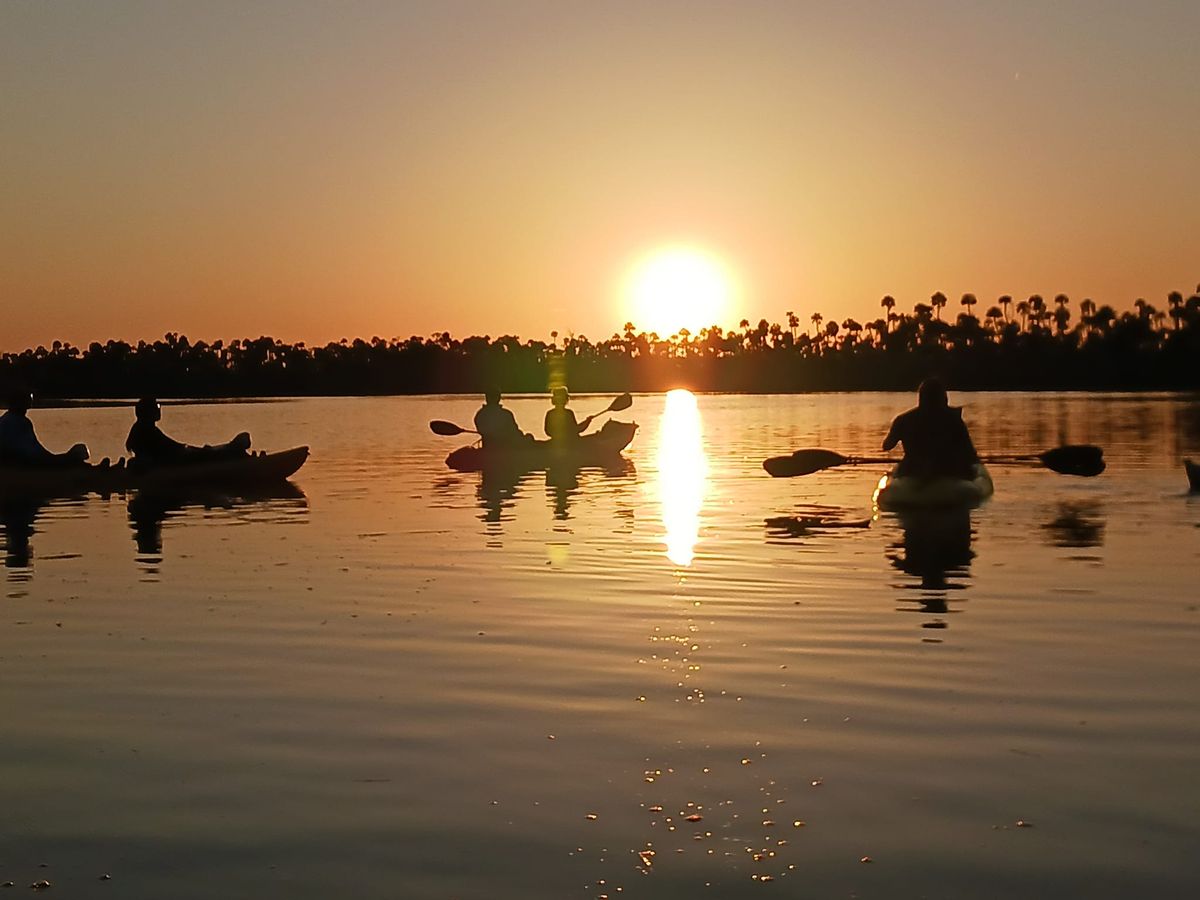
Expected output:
(936, 547)
(149, 508)
(1193, 474)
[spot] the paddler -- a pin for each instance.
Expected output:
(19, 444)
(150, 447)
(935, 438)
(496, 424)
(560, 423)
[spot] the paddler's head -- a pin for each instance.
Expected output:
(932, 394)
(18, 399)
(559, 397)
(491, 397)
(147, 410)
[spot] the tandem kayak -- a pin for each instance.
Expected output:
(906, 492)
(591, 450)
(250, 470)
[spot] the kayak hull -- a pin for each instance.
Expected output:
(266, 469)
(597, 449)
(903, 492)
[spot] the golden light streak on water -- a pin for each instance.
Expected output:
(682, 469)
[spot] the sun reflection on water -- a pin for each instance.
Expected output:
(682, 469)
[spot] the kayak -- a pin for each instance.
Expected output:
(591, 450)
(266, 468)
(906, 492)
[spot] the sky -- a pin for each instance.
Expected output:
(313, 171)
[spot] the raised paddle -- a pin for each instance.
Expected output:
(619, 404)
(448, 429)
(1084, 460)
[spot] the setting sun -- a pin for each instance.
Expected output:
(678, 287)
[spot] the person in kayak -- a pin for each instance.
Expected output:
(936, 441)
(150, 447)
(497, 426)
(19, 444)
(560, 423)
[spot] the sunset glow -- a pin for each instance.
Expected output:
(679, 287)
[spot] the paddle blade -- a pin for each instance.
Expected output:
(446, 429)
(803, 462)
(1084, 460)
(621, 404)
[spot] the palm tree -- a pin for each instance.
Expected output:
(968, 301)
(1087, 312)
(816, 318)
(1175, 304)
(1005, 302)
(937, 301)
(994, 315)
(889, 303)
(1023, 311)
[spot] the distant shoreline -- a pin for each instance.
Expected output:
(128, 402)
(1032, 345)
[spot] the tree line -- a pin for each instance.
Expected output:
(1028, 344)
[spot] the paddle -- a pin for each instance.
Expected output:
(619, 404)
(1083, 460)
(448, 429)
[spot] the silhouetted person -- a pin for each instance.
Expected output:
(19, 444)
(936, 440)
(497, 426)
(150, 447)
(560, 424)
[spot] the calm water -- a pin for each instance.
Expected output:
(399, 681)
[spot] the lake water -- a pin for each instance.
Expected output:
(394, 680)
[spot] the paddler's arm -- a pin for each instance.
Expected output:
(893, 437)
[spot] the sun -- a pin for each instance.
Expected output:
(678, 287)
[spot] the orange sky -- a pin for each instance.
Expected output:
(314, 171)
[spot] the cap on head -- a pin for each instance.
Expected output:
(559, 396)
(932, 394)
(491, 395)
(147, 408)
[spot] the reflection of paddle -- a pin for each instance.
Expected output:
(1084, 460)
(448, 429)
(618, 405)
